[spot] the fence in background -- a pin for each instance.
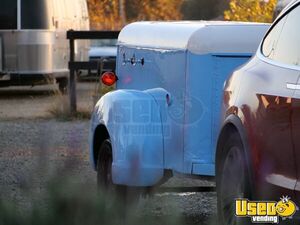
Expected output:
(74, 66)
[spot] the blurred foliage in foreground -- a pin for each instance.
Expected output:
(251, 10)
(74, 204)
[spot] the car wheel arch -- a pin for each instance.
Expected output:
(100, 135)
(234, 124)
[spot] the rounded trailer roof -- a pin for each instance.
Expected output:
(197, 37)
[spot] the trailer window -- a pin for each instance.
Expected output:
(8, 15)
(34, 14)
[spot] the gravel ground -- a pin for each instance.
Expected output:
(36, 102)
(35, 148)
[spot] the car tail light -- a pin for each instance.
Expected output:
(109, 78)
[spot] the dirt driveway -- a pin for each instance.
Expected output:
(34, 147)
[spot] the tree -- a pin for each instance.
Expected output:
(201, 10)
(251, 10)
(159, 9)
(105, 14)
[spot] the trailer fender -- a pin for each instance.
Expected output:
(133, 120)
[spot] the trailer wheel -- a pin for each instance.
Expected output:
(63, 85)
(104, 163)
(104, 172)
(127, 195)
(232, 180)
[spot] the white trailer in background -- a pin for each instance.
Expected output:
(34, 48)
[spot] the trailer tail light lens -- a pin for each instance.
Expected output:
(109, 78)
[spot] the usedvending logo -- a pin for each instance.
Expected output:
(266, 211)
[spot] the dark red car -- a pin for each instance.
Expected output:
(258, 153)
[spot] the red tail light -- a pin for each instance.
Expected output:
(109, 78)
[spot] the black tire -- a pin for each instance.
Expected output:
(63, 85)
(126, 194)
(104, 172)
(232, 180)
(104, 163)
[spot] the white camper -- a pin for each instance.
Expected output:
(34, 48)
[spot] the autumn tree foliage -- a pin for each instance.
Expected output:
(159, 9)
(251, 10)
(105, 14)
(204, 9)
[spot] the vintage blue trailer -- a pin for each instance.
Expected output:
(165, 113)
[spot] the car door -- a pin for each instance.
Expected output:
(275, 110)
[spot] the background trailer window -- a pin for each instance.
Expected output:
(8, 15)
(34, 14)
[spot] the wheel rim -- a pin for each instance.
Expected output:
(232, 184)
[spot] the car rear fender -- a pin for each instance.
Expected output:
(234, 124)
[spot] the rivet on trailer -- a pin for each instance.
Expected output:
(164, 117)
